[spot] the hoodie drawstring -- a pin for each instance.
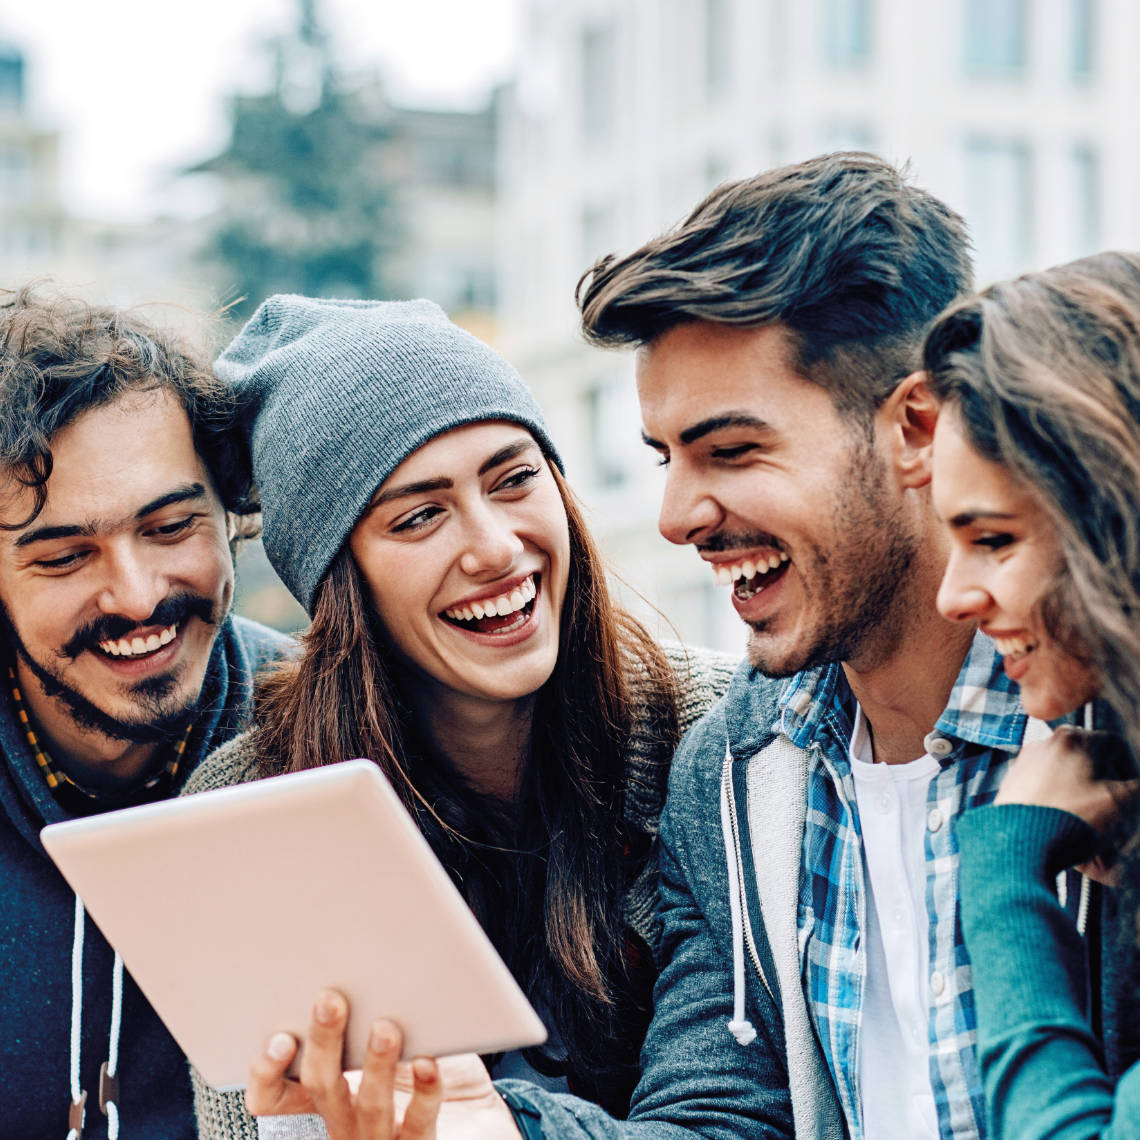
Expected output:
(739, 1026)
(108, 1085)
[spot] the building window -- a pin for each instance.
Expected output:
(1082, 39)
(847, 33)
(997, 33)
(999, 205)
(11, 79)
(615, 448)
(718, 49)
(17, 174)
(598, 82)
(1085, 164)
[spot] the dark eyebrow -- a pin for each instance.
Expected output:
(729, 419)
(505, 454)
(425, 486)
(713, 423)
(178, 495)
(47, 533)
(405, 489)
(968, 518)
(71, 530)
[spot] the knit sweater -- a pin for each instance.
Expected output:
(702, 677)
(1042, 1065)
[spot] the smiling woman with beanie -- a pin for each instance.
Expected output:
(463, 638)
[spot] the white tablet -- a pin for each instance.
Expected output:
(232, 908)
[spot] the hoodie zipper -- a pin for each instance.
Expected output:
(726, 775)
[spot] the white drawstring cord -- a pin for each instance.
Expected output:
(109, 1106)
(739, 1026)
(77, 1016)
(78, 1096)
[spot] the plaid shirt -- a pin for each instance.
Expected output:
(67, 791)
(973, 739)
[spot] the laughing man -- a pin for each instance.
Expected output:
(816, 984)
(121, 489)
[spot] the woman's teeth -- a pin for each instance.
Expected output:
(136, 646)
(504, 604)
(727, 574)
(1015, 647)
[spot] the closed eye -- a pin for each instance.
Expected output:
(171, 529)
(734, 452)
(418, 518)
(993, 541)
(63, 562)
(518, 479)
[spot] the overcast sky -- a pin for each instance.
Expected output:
(139, 87)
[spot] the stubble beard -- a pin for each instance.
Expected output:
(164, 708)
(859, 586)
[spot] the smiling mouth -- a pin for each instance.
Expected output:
(501, 614)
(1015, 648)
(751, 575)
(137, 647)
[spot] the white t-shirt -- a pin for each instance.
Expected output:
(894, 1051)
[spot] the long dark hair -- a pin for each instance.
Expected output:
(1045, 373)
(547, 875)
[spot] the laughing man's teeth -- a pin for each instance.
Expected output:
(1015, 647)
(139, 645)
(726, 574)
(504, 604)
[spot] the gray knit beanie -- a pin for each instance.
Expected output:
(337, 395)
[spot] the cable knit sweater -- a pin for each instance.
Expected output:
(702, 677)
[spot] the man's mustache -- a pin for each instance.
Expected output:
(173, 610)
(724, 541)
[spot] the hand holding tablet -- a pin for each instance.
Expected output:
(454, 1095)
(234, 908)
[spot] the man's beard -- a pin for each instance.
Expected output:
(858, 586)
(159, 718)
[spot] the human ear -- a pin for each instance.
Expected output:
(910, 413)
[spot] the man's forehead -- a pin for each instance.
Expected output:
(109, 464)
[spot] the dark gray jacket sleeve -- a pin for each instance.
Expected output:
(696, 1080)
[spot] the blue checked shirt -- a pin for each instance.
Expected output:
(973, 740)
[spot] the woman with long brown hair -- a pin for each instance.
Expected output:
(463, 638)
(1037, 475)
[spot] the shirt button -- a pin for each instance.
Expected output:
(934, 819)
(884, 802)
(937, 983)
(899, 916)
(937, 745)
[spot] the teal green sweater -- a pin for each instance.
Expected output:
(1042, 1067)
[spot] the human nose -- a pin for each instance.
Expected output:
(688, 508)
(491, 543)
(960, 598)
(134, 585)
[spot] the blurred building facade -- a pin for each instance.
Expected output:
(31, 213)
(624, 113)
(437, 171)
